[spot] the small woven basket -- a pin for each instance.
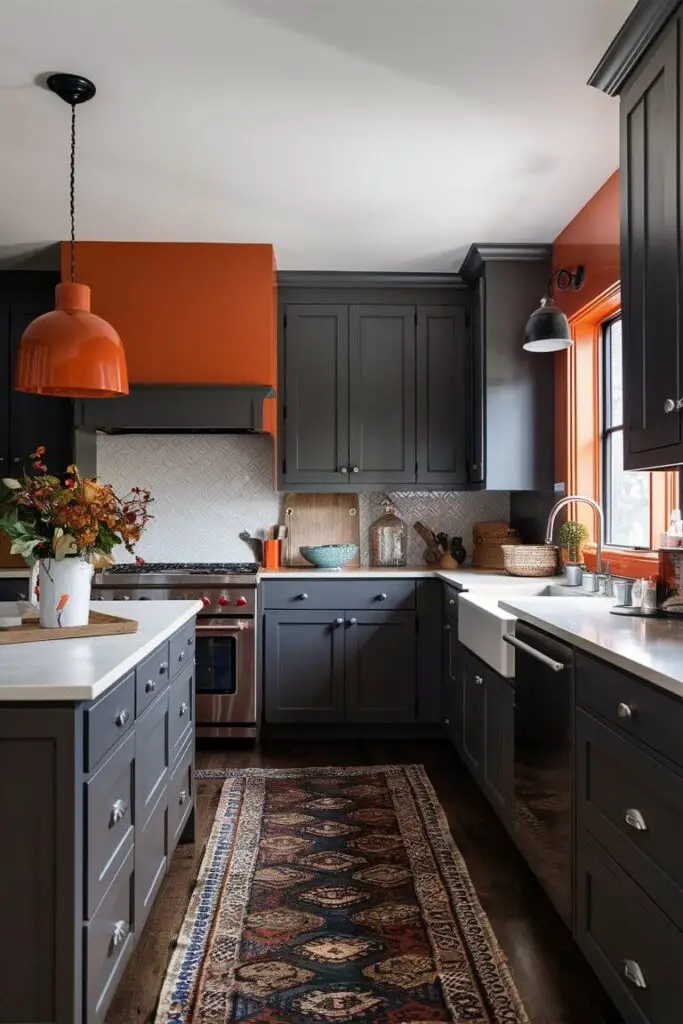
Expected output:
(489, 539)
(530, 559)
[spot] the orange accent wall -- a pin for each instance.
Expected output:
(591, 238)
(187, 312)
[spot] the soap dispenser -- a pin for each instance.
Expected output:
(388, 538)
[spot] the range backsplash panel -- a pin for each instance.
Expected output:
(208, 489)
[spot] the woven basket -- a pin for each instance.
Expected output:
(488, 530)
(530, 559)
(488, 550)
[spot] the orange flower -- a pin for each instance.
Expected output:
(63, 601)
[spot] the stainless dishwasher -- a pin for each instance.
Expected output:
(544, 755)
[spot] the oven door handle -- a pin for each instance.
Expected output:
(514, 641)
(238, 627)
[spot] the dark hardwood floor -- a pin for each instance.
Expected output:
(555, 983)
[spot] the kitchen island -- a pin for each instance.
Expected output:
(97, 784)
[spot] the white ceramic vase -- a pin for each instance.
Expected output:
(64, 592)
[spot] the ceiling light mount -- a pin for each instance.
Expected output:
(547, 328)
(73, 89)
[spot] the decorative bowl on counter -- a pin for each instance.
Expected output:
(530, 559)
(329, 556)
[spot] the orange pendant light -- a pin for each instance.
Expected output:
(71, 352)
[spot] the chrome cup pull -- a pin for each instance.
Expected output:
(479, 681)
(182, 796)
(634, 818)
(118, 810)
(163, 667)
(181, 656)
(122, 718)
(119, 934)
(184, 708)
(624, 710)
(633, 972)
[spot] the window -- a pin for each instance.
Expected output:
(625, 494)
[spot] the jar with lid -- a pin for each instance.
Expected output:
(388, 538)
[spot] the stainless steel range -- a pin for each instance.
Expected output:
(225, 650)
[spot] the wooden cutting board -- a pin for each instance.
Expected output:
(100, 624)
(320, 519)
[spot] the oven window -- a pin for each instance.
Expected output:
(216, 664)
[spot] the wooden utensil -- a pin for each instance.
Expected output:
(314, 519)
(433, 552)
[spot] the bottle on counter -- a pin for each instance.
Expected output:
(388, 538)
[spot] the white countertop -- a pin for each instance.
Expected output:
(465, 577)
(76, 670)
(20, 573)
(651, 649)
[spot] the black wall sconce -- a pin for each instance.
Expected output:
(547, 328)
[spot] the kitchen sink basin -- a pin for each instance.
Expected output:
(562, 590)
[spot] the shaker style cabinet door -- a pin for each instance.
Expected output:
(499, 742)
(316, 395)
(382, 394)
(443, 434)
(473, 717)
(651, 184)
(304, 666)
(381, 675)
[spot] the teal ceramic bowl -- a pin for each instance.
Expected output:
(329, 556)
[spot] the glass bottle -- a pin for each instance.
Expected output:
(388, 538)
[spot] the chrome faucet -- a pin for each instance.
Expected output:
(598, 514)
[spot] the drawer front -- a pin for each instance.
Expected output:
(180, 795)
(151, 758)
(363, 595)
(108, 719)
(108, 939)
(151, 860)
(634, 708)
(151, 676)
(109, 796)
(181, 648)
(631, 944)
(181, 711)
(634, 806)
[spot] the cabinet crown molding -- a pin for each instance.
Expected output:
(481, 253)
(638, 32)
(365, 279)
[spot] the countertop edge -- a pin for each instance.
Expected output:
(644, 672)
(83, 693)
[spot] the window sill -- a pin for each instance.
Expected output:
(624, 562)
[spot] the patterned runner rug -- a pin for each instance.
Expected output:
(330, 895)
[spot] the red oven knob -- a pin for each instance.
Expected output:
(240, 601)
(223, 601)
(206, 601)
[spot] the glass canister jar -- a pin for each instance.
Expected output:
(388, 538)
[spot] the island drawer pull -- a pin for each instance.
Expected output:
(184, 707)
(634, 818)
(479, 681)
(624, 710)
(150, 686)
(122, 718)
(119, 933)
(182, 796)
(118, 810)
(163, 667)
(633, 972)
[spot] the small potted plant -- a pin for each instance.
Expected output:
(68, 525)
(572, 537)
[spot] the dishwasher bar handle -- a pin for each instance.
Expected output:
(514, 641)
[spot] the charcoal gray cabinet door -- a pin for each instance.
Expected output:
(304, 666)
(382, 394)
(315, 425)
(443, 417)
(381, 667)
(499, 738)
(473, 717)
(651, 186)
(452, 691)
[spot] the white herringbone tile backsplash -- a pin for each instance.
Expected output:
(207, 489)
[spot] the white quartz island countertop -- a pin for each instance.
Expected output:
(79, 670)
(651, 649)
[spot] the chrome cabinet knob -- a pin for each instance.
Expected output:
(119, 933)
(339, 622)
(182, 796)
(126, 597)
(190, 641)
(475, 467)
(479, 681)
(343, 469)
(447, 628)
(624, 710)
(673, 406)
(356, 469)
(634, 818)
(382, 597)
(118, 810)
(163, 667)
(122, 718)
(150, 686)
(184, 708)
(633, 972)
(302, 597)
(181, 656)
(446, 721)
(451, 600)
(353, 621)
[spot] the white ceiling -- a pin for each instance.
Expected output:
(352, 134)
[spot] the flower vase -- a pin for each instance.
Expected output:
(64, 592)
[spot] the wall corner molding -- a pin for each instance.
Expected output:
(643, 25)
(481, 253)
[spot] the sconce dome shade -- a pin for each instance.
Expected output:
(547, 329)
(71, 352)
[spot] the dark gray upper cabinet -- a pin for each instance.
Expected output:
(376, 382)
(443, 395)
(381, 676)
(27, 421)
(513, 411)
(304, 666)
(382, 394)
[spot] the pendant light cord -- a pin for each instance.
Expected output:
(72, 192)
